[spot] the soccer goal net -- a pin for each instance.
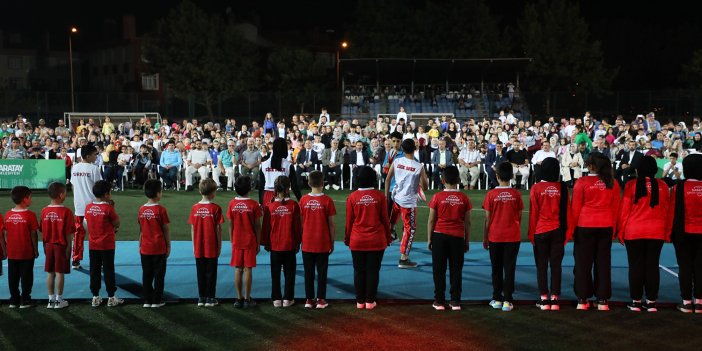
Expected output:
(71, 118)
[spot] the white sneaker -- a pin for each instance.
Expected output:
(158, 305)
(371, 305)
(60, 304)
(277, 303)
(360, 306)
(51, 304)
(97, 301)
(146, 305)
(326, 187)
(507, 306)
(336, 187)
(496, 304)
(288, 303)
(114, 301)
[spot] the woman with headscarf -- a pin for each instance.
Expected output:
(642, 227)
(277, 165)
(686, 235)
(548, 222)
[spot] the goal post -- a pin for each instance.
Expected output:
(116, 117)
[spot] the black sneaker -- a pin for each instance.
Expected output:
(634, 306)
(76, 264)
(249, 303)
(239, 303)
(544, 305)
(407, 264)
(26, 304)
(686, 308)
(650, 306)
(201, 302)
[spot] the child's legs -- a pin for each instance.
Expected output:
(583, 251)
(308, 263)
(238, 273)
(50, 282)
(200, 264)
(248, 277)
(556, 259)
(410, 226)
(635, 255)
(439, 256)
(78, 239)
(211, 277)
(455, 262)
(108, 263)
(289, 266)
(603, 265)
(373, 261)
(542, 246)
(511, 250)
(696, 252)
(496, 253)
(95, 271)
(147, 277)
(159, 277)
(13, 280)
(322, 261)
(359, 274)
(653, 273)
(27, 277)
(59, 283)
(276, 262)
(683, 254)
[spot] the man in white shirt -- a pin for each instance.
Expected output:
(84, 175)
(540, 156)
(401, 115)
(198, 160)
(469, 159)
(673, 170)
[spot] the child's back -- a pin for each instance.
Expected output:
(505, 206)
(205, 217)
(283, 217)
(100, 216)
(83, 177)
(19, 224)
(243, 213)
(316, 210)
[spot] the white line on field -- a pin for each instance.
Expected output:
(474, 209)
(668, 270)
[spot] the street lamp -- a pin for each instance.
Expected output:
(70, 60)
(344, 45)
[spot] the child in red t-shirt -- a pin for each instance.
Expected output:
(21, 240)
(244, 216)
(281, 236)
(318, 232)
(448, 231)
(154, 244)
(206, 232)
(367, 235)
(503, 213)
(102, 224)
(57, 228)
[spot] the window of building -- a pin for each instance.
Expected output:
(149, 81)
(14, 62)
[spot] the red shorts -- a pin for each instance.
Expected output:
(56, 259)
(268, 197)
(243, 258)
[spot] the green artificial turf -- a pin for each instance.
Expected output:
(179, 204)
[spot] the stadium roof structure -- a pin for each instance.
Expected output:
(430, 71)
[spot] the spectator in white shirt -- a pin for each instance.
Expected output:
(672, 170)
(469, 159)
(198, 160)
(540, 156)
(401, 115)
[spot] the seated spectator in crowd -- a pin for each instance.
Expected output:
(142, 165)
(250, 159)
(441, 158)
(332, 159)
(306, 161)
(672, 170)
(520, 162)
(198, 161)
(15, 151)
(170, 163)
(358, 158)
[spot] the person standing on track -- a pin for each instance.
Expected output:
(84, 175)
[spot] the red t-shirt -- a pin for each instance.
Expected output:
(693, 203)
(316, 210)
(640, 221)
(19, 226)
(101, 232)
(593, 205)
(544, 208)
(367, 223)
(152, 217)
(2, 228)
(243, 214)
(205, 217)
(451, 206)
(281, 225)
(57, 222)
(505, 206)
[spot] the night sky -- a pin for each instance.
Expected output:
(646, 40)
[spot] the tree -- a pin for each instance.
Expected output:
(565, 57)
(692, 71)
(297, 73)
(202, 56)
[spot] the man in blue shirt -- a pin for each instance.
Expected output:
(170, 163)
(226, 160)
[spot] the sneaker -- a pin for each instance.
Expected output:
(158, 305)
(455, 305)
(76, 265)
(322, 303)
(288, 303)
(683, 307)
(51, 304)
(114, 301)
(239, 303)
(12, 305)
(97, 301)
(439, 306)
(496, 304)
(219, 188)
(326, 187)
(201, 302)
(650, 306)
(146, 305)
(359, 305)
(336, 187)
(554, 305)
(407, 264)
(26, 304)
(544, 305)
(277, 303)
(583, 305)
(602, 305)
(309, 303)
(211, 302)
(249, 303)
(371, 305)
(60, 304)
(507, 306)
(634, 306)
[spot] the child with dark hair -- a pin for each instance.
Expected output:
(244, 216)
(281, 236)
(643, 227)
(687, 233)
(21, 250)
(102, 224)
(277, 165)
(318, 232)
(206, 231)
(154, 244)
(548, 223)
(503, 213)
(448, 232)
(592, 226)
(57, 227)
(367, 235)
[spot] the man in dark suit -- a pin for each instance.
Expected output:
(492, 159)
(628, 161)
(306, 161)
(440, 159)
(332, 159)
(358, 157)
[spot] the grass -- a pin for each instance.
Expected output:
(342, 327)
(179, 204)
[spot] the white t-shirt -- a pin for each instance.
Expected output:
(271, 174)
(407, 173)
(199, 156)
(318, 148)
(402, 115)
(541, 155)
(83, 177)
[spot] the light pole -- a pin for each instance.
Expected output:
(344, 45)
(70, 63)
